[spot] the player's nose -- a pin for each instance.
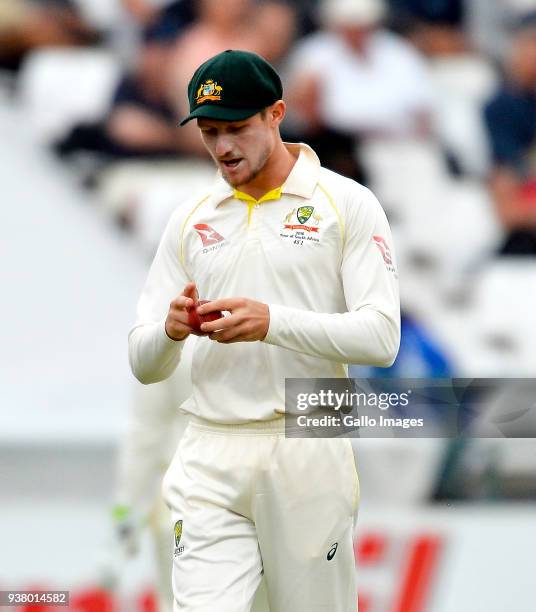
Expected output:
(223, 147)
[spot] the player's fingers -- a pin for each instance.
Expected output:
(232, 340)
(181, 302)
(226, 336)
(190, 291)
(228, 304)
(219, 324)
(222, 337)
(179, 316)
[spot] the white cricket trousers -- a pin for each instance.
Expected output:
(246, 500)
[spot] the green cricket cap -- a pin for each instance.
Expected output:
(232, 86)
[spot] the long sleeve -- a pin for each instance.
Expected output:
(153, 355)
(369, 333)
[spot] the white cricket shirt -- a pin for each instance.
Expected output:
(318, 251)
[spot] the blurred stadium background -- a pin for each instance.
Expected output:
(431, 103)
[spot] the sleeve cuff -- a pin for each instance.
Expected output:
(274, 328)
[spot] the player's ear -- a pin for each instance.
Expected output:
(276, 113)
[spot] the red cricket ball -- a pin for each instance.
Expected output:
(195, 320)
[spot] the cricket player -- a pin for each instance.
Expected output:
(153, 430)
(301, 261)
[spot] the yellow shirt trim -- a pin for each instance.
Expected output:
(181, 254)
(274, 194)
(337, 212)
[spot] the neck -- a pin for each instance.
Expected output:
(273, 174)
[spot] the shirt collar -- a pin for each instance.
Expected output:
(304, 175)
(273, 194)
(301, 181)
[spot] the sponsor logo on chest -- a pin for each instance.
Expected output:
(210, 238)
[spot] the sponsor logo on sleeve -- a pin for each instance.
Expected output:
(385, 251)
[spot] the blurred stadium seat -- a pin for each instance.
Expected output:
(58, 88)
(461, 84)
(406, 174)
(442, 224)
(144, 194)
(504, 307)
(395, 471)
(455, 231)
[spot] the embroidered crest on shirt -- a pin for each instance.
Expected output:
(303, 214)
(302, 225)
(209, 90)
(177, 533)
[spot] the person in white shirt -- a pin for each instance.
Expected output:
(357, 78)
(301, 260)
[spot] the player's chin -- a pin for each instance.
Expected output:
(236, 176)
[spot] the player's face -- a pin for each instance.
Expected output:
(524, 57)
(239, 148)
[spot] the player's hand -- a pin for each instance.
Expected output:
(249, 320)
(177, 327)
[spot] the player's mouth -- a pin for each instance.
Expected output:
(231, 164)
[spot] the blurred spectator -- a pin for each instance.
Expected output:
(491, 24)
(145, 12)
(307, 16)
(431, 11)
(25, 25)
(511, 123)
(161, 19)
(436, 27)
(461, 78)
(265, 27)
(141, 122)
(355, 79)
